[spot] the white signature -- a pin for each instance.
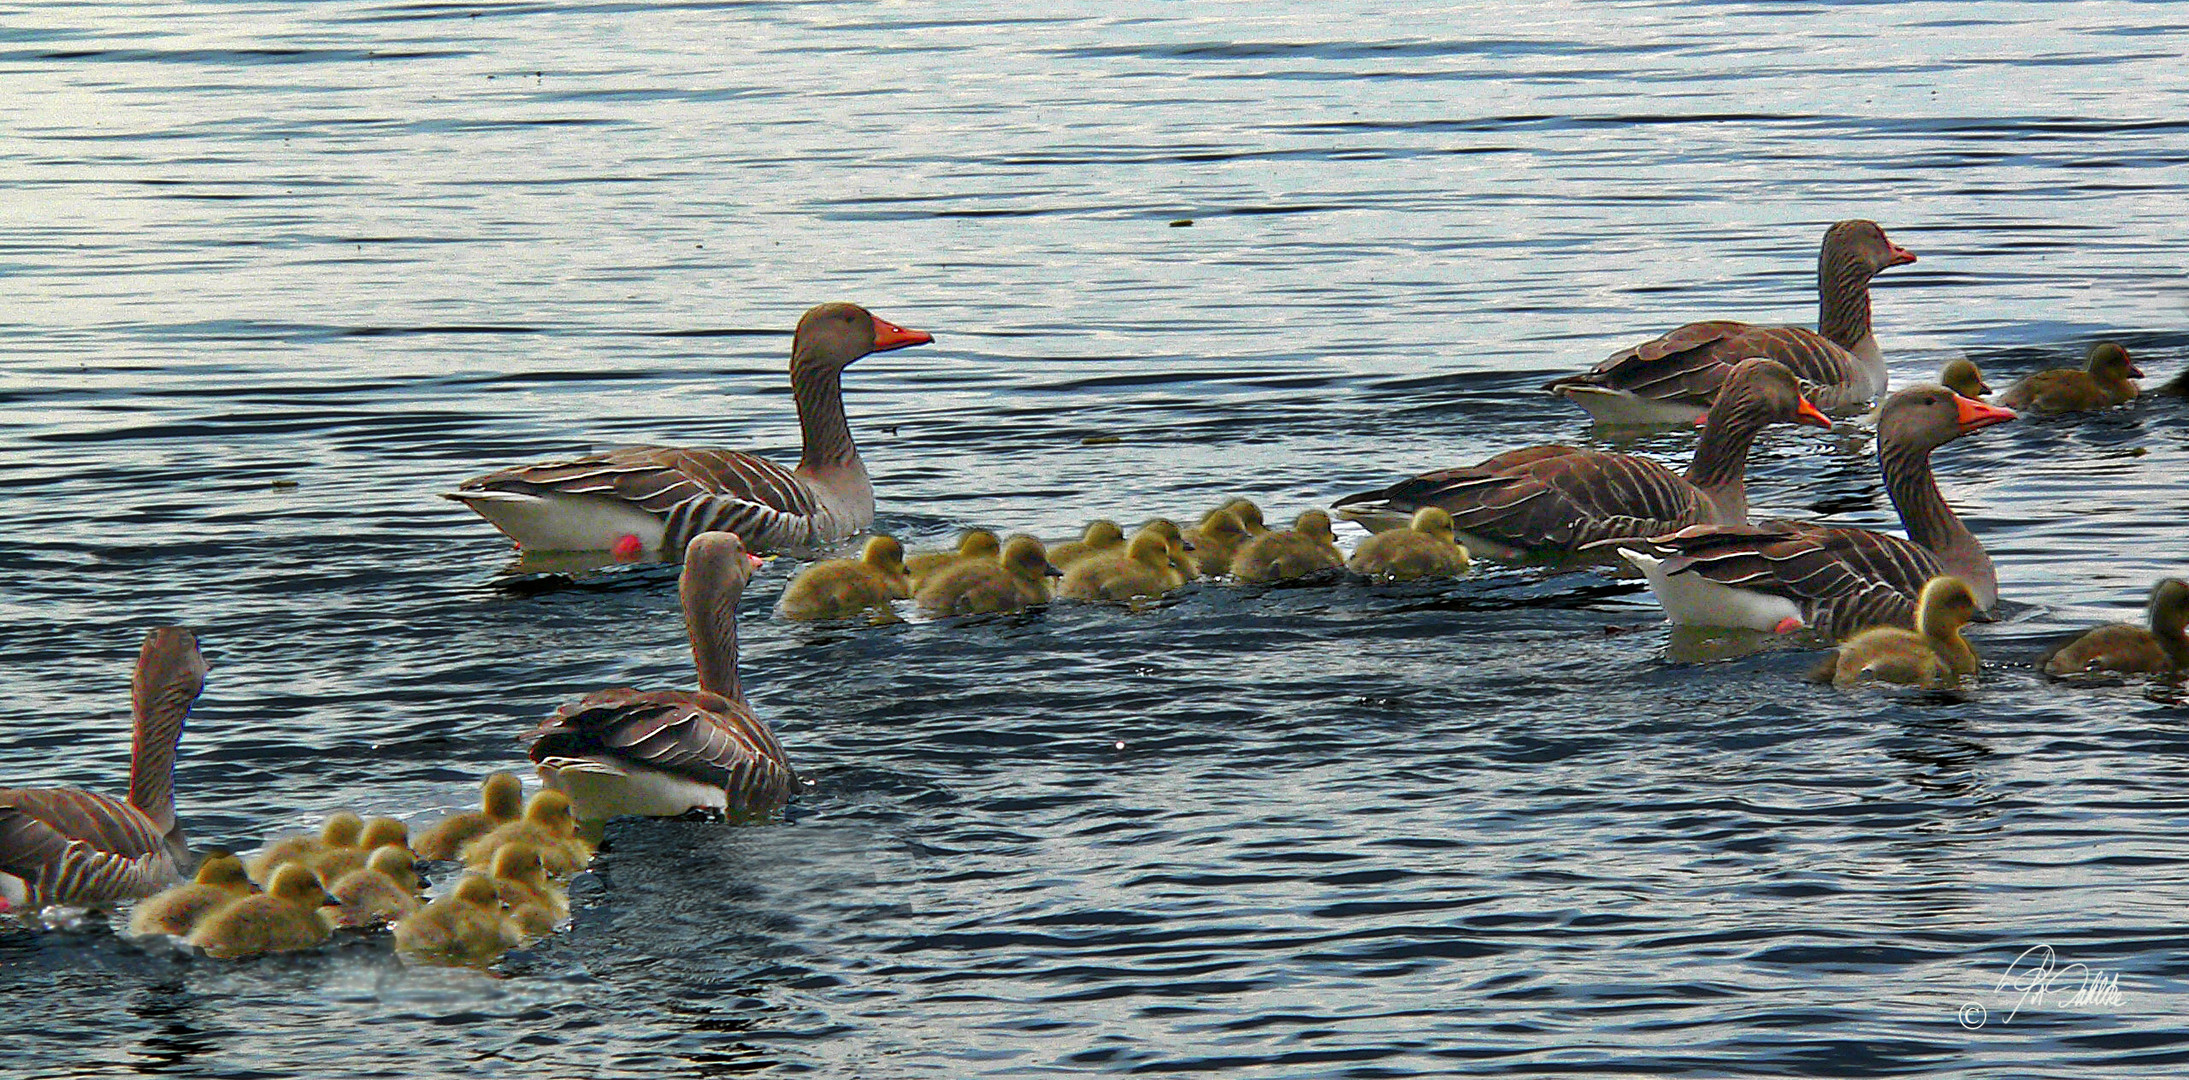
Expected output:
(2038, 974)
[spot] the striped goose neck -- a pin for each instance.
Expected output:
(818, 387)
(1933, 524)
(1843, 298)
(710, 617)
(1720, 467)
(160, 711)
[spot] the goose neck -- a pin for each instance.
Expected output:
(1933, 524)
(710, 618)
(1843, 313)
(1720, 467)
(817, 386)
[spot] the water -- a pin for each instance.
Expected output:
(1489, 828)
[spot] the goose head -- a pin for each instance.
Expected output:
(2170, 608)
(1150, 548)
(521, 863)
(1026, 559)
(1102, 533)
(1763, 391)
(384, 832)
(979, 544)
(397, 863)
(1964, 378)
(1860, 243)
(1945, 605)
(1223, 528)
(1249, 515)
(1435, 522)
(883, 553)
(550, 810)
(223, 871)
(2110, 362)
(1315, 525)
(294, 883)
(501, 795)
(1925, 417)
(477, 890)
(834, 335)
(342, 829)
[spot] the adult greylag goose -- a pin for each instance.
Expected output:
(1781, 576)
(2107, 379)
(1674, 378)
(1019, 579)
(1425, 549)
(665, 496)
(501, 800)
(1963, 377)
(464, 927)
(69, 846)
(284, 918)
(974, 546)
(2121, 647)
(844, 588)
(1143, 569)
(1555, 500)
(175, 912)
(1933, 655)
(664, 752)
(1306, 548)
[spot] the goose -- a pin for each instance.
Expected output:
(1100, 536)
(1553, 501)
(465, 927)
(1933, 655)
(70, 846)
(379, 832)
(341, 830)
(520, 881)
(2108, 379)
(1308, 547)
(1674, 378)
(1143, 569)
(549, 825)
(974, 546)
(2121, 647)
(1216, 539)
(284, 918)
(844, 588)
(664, 752)
(380, 892)
(1249, 515)
(1018, 581)
(501, 799)
(1181, 549)
(1781, 576)
(175, 912)
(1963, 377)
(664, 496)
(1424, 550)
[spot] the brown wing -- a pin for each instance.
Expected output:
(702, 737)
(1555, 502)
(75, 847)
(658, 478)
(1842, 579)
(1690, 363)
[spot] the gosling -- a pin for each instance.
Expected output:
(1018, 581)
(849, 588)
(1308, 547)
(2132, 649)
(520, 880)
(220, 881)
(1425, 549)
(1934, 655)
(2108, 379)
(975, 545)
(380, 892)
(342, 829)
(284, 918)
(501, 800)
(1143, 569)
(547, 825)
(1217, 539)
(465, 927)
(1101, 536)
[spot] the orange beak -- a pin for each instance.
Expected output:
(1811, 416)
(1901, 256)
(757, 561)
(1976, 414)
(889, 335)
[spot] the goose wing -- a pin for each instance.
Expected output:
(1842, 579)
(692, 735)
(1556, 502)
(74, 847)
(657, 479)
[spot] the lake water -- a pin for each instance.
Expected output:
(1491, 828)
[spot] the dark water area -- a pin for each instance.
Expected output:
(277, 275)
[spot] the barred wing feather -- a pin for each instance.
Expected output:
(692, 735)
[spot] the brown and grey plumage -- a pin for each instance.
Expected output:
(1934, 655)
(176, 911)
(2162, 648)
(1018, 580)
(1783, 575)
(284, 918)
(1556, 500)
(501, 799)
(1425, 549)
(1675, 377)
(665, 496)
(661, 753)
(1308, 547)
(848, 588)
(2108, 379)
(69, 846)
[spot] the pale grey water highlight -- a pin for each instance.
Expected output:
(1485, 829)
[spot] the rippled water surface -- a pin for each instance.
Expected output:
(276, 274)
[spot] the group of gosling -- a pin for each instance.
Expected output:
(362, 875)
(985, 575)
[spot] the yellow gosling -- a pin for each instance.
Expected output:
(974, 545)
(1963, 377)
(465, 927)
(1216, 540)
(220, 881)
(2120, 647)
(284, 918)
(1425, 549)
(1143, 569)
(342, 829)
(848, 588)
(501, 800)
(1020, 580)
(378, 893)
(533, 902)
(548, 826)
(1934, 655)
(379, 832)
(1101, 535)
(1307, 548)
